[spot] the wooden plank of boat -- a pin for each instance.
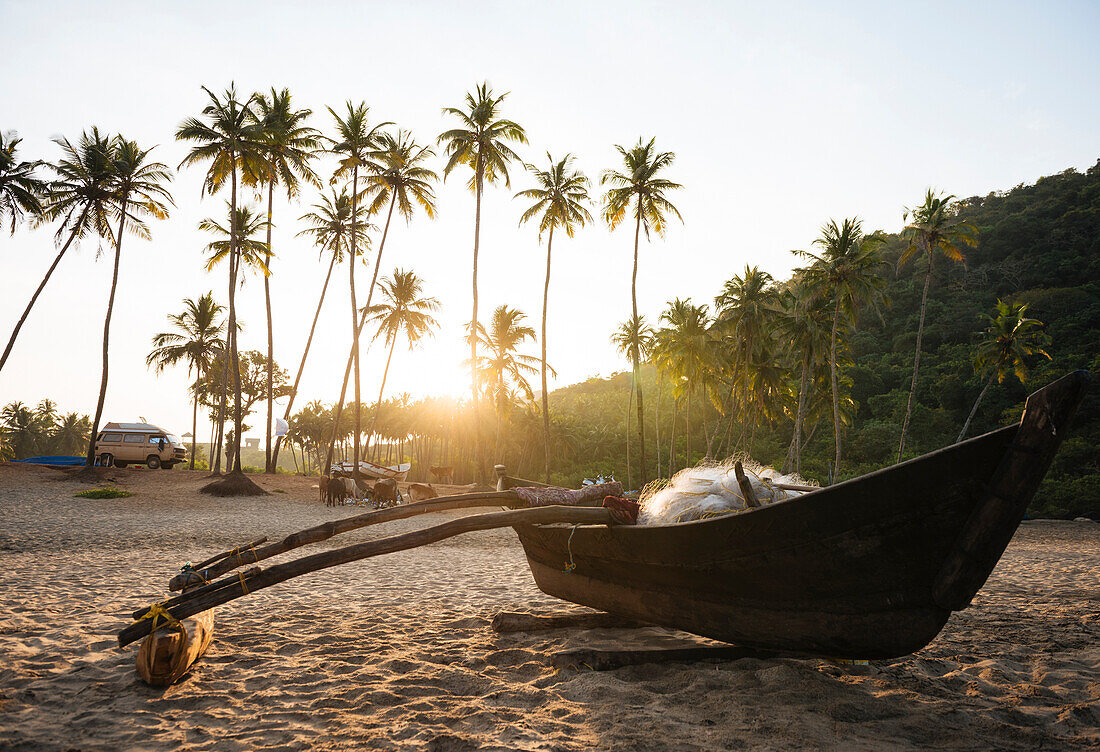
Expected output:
(868, 568)
(168, 653)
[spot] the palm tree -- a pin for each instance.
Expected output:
(638, 184)
(846, 274)
(21, 192)
(480, 143)
(684, 349)
(330, 226)
(79, 198)
(395, 176)
(354, 144)
(503, 371)
(23, 428)
(933, 226)
(634, 339)
(229, 137)
(1009, 340)
(244, 228)
(804, 324)
(403, 310)
(137, 190)
(70, 432)
(559, 202)
(289, 146)
(747, 307)
(197, 339)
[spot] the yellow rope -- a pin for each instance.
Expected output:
(158, 611)
(244, 587)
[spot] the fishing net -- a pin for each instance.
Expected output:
(710, 489)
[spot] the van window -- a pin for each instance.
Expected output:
(156, 439)
(135, 438)
(112, 438)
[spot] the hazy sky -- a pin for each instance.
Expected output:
(781, 116)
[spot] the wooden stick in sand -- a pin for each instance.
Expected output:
(606, 660)
(507, 621)
(746, 487)
(231, 588)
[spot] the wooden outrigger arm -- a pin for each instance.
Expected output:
(233, 587)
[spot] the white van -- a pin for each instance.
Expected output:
(122, 444)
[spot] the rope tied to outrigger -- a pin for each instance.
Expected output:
(158, 611)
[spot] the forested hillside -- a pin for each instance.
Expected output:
(1039, 244)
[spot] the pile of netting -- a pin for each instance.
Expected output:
(710, 490)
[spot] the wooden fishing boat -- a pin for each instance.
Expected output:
(868, 568)
(371, 470)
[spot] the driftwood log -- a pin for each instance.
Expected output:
(746, 487)
(606, 660)
(508, 621)
(231, 588)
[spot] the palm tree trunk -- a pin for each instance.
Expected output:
(235, 364)
(362, 321)
(629, 406)
(916, 357)
(974, 410)
(216, 448)
(479, 454)
(268, 467)
(635, 354)
(657, 423)
(195, 422)
(794, 453)
(545, 397)
(355, 329)
(302, 364)
(90, 459)
(687, 428)
(836, 389)
(672, 439)
(41, 286)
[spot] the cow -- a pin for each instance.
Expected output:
(386, 493)
(337, 492)
(421, 491)
(443, 474)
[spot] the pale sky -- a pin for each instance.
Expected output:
(781, 115)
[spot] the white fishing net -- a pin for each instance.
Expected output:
(710, 489)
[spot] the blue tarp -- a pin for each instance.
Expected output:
(57, 460)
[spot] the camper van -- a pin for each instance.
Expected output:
(122, 444)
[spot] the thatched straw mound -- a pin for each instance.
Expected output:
(233, 484)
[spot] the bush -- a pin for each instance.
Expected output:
(103, 493)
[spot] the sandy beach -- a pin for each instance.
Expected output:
(396, 652)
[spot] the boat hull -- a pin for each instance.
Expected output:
(869, 568)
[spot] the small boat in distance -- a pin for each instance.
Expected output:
(55, 460)
(371, 470)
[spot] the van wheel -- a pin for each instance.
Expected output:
(152, 462)
(106, 459)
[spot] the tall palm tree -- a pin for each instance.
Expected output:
(403, 310)
(196, 339)
(634, 339)
(289, 147)
(503, 371)
(137, 187)
(244, 228)
(353, 145)
(79, 198)
(395, 176)
(559, 198)
(747, 306)
(933, 226)
(481, 143)
(638, 187)
(846, 273)
(330, 227)
(1008, 342)
(229, 137)
(21, 191)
